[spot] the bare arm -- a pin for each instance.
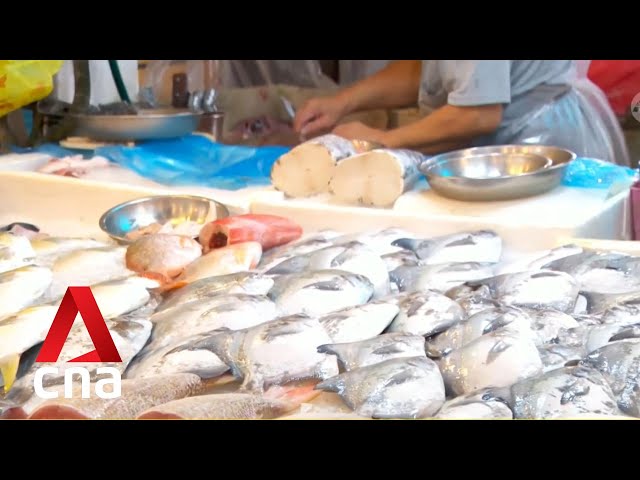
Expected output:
(446, 128)
(395, 86)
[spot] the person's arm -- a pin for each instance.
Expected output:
(395, 86)
(447, 128)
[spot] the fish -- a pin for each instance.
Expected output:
(401, 258)
(306, 244)
(623, 313)
(473, 299)
(162, 256)
(129, 332)
(136, 396)
(380, 241)
(547, 323)
(619, 363)
(320, 292)
(15, 251)
(353, 355)
(49, 249)
(481, 246)
(563, 393)
(236, 258)
(268, 230)
(535, 289)
(482, 323)
(247, 283)
(22, 287)
(18, 334)
(119, 297)
(538, 260)
(440, 278)
(497, 359)
(426, 313)
(556, 356)
(81, 268)
(177, 357)
(274, 353)
(375, 178)
(401, 388)
(598, 336)
(351, 257)
(358, 323)
(220, 406)
(477, 406)
(233, 312)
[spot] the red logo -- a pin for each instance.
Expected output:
(79, 300)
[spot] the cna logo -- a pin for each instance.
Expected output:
(79, 300)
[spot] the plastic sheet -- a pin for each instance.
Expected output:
(197, 161)
(593, 173)
(25, 81)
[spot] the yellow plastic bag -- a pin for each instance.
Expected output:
(25, 81)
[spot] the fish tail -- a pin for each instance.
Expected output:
(333, 384)
(9, 369)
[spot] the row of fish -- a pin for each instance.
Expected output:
(396, 327)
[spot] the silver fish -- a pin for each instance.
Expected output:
(15, 251)
(480, 246)
(440, 278)
(401, 258)
(538, 260)
(86, 268)
(475, 406)
(22, 287)
(307, 244)
(351, 257)
(49, 249)
(232, 312)
(397, 388)
(130, 333)
(556, 356)
(497, 359)
(221, 406)
(619, 362)
(426, 313)
(473, 299)
(624, 313)
(178, 357)
(320, 292)
(563, 393)
(480, 324)
(536, 289)
(274, 353)
(600, 335)
(380, 241)
(547, 323)
(243, 282)
(358, 323)
(378, 349)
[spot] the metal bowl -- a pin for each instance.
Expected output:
(141, 212)
(504, 172)
(147, 125)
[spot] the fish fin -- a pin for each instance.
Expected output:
(328, 348)
(496, 350)
(328, 285)
(9, 369)
(400, 378)
(333, 384)
(407, 243)
(173, 285)
(388, 350)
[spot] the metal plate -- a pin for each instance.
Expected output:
(436, 170)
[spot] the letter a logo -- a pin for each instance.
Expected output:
(79, 300)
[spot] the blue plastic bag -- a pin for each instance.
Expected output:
(592, 173)
(196, 160)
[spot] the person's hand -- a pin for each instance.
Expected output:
(359, 131)
(318, 115)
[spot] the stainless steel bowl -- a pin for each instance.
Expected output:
(147, 125)
(162, 209)
(470, 174)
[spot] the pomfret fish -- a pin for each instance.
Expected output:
(426, 313)
(380, 241)
(473, 299)
(306, 244)
(476, 406)
(378, 349)
(358, 323)
(481, 246)
(497, 359)
(440, 278)
(619, 363)
(274, 353)
(242, 282)
(49, 249)
(321, 292)
(401, 258)
(397, 388)
(556, 356)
